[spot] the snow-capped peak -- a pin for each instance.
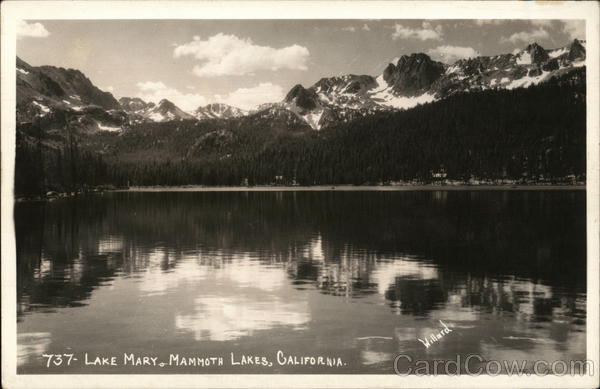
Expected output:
(417, 79)
(218, 111)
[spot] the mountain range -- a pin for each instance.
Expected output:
(416, 79)
(517, 117)
(411, 80)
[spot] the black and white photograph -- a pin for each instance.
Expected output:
(390, 196)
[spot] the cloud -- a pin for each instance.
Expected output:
(527, 36)
(349, 29)
(427, 32)
(245, 98)
(450, 54)
(541, 22)
(250, 98)
(156, 90)
(365, 27)
(151, 85)
(495, 22)
(32, 30)
(223, 54)
(574, 28)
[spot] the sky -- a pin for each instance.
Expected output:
(245, 63)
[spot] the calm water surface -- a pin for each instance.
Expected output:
(358, 276)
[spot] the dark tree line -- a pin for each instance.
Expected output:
(47, 162)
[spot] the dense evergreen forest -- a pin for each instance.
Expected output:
(531, 135)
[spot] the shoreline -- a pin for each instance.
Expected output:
(318, 188)
(350, 188)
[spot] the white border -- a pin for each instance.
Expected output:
(12, 11)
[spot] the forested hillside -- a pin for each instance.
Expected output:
(530, 134)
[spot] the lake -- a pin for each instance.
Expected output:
(256, 278)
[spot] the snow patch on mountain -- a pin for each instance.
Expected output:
(388, 99)
(558, 52)
(384, 95)
(42, 107)
(380, 86)
(161, 117)
(108, 128)
(527, 81)
(313, 118)
(452, 69)
(524, 59)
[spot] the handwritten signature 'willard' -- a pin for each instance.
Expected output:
(436, 336)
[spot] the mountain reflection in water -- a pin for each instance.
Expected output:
(359, 275)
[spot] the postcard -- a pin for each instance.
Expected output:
(300, 194)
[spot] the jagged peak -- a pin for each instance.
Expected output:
(127, 99)
(351, 82)
(414, 57)
(302, 98)
(219, 108)
(298, 88)
(534, 46)
(218, 105)
(298, 92)
(389, 68)
(532, 54)
(578, 43)
(576, 50)
(21, 63)
(71, 71)
(418, 57)
(165, 102)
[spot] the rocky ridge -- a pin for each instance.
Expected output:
(55, 96)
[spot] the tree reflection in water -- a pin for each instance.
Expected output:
(504, 268)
